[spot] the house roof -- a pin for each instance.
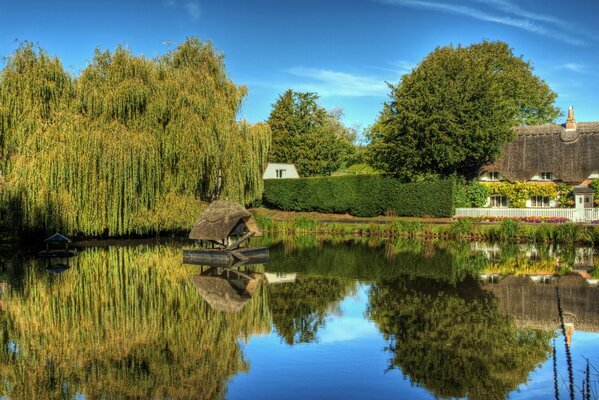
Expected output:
(570, 154)
(220, 218)
(57, 237)
(535, 304)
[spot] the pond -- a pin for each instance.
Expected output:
(325, 318)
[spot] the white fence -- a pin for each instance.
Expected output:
(581, 215)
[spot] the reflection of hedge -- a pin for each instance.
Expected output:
(361, 195)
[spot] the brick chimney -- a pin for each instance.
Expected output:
(571, 122)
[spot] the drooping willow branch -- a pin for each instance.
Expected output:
(129, 146)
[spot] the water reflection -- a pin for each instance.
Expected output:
(454, 340)
(121, 323)
(134, 322)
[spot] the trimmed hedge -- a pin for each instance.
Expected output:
(361, 195)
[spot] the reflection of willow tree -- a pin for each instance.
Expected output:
(299, 309)
(452, 340)
(121, 323)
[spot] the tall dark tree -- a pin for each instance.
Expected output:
(307, 135)
(456, 109)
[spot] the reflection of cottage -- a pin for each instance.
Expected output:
(279, 171)
(534, 304)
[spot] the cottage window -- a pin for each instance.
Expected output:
(280, 173)
(539, 201)
(498, 201)
(547, 176)
(494, 175)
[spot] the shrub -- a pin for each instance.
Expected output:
(461, 227)
(408, 227)
(361, 195)
(470, 194)
(509, 229)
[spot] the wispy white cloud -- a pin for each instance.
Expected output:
(574, 67)
(328, 83)
(512, 8)
(193, 9)
(503, 12)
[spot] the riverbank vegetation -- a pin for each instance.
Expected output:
(505, 230)
(130, 146)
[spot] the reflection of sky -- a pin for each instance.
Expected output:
(348, 362)
(540, 382)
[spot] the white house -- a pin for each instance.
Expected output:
(277, 171)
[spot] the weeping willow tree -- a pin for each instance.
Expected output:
(122, 323)
(130, 146)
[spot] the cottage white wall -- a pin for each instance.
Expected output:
(290, 172)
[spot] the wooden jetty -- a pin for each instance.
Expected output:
(224, 258)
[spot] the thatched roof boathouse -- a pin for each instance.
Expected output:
(224, 219)
(226, 225)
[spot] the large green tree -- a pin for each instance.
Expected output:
(129, 146)
(456, 109)
(307, 135)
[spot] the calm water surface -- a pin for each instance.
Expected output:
(346, 319)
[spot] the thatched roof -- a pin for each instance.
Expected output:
(222, 295)
(220, 218)
(219, 293)
(571, 154)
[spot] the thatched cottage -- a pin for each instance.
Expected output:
(548, 153)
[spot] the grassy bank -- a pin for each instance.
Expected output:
(466, 229)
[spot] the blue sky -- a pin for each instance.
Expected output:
(343, 50)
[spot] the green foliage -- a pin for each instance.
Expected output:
(114, 326)
(361, 195)
(307, 135)
(462, 227)
(508, 230)
(111, 151)
(470, 194)
(357, 169)
(517, 193)
(454, 341)
(595, 186)
(299, 309)
(456, 109)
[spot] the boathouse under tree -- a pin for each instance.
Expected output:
(224, 219)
